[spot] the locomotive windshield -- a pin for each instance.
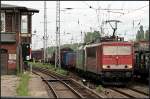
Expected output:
(117, 50)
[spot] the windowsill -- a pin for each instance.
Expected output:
(8, 32)
(25, 34)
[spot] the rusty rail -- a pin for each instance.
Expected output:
(62, 79)
(59, 80)
(53, 91)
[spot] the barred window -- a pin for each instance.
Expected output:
(24, 24)
(2, 22)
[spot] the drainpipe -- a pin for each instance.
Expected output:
(17, 47)
(19, 44)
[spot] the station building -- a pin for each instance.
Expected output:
(16, 28)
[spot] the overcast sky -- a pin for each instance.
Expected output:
(82, 18)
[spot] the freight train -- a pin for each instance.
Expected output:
(110, 62)
(65, 56)
(142, 60)
(69, 60)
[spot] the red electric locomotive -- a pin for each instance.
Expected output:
(110, 61)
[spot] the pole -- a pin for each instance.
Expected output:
(57, 52)
(45, 32)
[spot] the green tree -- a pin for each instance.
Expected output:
(140, 34)
(73, 46)
(90, 36)
(147, 35)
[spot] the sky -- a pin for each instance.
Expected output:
(85, 19)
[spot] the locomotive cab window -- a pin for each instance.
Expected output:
(91, 52)
(117, 50)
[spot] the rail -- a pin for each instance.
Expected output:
(78, 89)
(130, 92)
(58, 80)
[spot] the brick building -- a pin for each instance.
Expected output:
(16, 28)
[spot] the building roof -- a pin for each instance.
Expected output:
(22, 8)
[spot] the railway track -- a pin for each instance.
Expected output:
(141, 92)
(130, 93)
(58, 87)
(63, 87)
(81, 91)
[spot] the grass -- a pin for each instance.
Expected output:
(22, 88)
(50, 67)
(61, 71)
(99, 88)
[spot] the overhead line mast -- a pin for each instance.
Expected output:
(57, 51)
(45, 33)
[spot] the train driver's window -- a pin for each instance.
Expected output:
(91, 52)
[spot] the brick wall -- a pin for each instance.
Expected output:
(13, 25)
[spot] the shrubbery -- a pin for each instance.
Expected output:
(50, 67)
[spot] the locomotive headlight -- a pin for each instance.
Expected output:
(106, 66)
(129, 66)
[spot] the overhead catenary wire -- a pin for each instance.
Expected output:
(105, 9)
(132, 11)
(97, 13)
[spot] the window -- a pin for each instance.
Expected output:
(91, 52)
(117, 50)
(2, 22)
(24, 24)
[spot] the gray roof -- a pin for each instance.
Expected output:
(9, 7)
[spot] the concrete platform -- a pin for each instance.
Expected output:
(37, 87)
(9, 84)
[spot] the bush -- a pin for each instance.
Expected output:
(50, 67)
(61, 71)
(99, 88)
(22, 88)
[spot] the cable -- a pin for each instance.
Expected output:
(140, 8)
(87, 4)
(133, 10)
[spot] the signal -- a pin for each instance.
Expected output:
(26, 51)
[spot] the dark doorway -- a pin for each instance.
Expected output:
(3, 61)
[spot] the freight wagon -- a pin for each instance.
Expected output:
(37, 55)
(69, 60)
(62, 52)
(142, 60)
(109, 61)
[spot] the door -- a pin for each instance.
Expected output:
(3, 63)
